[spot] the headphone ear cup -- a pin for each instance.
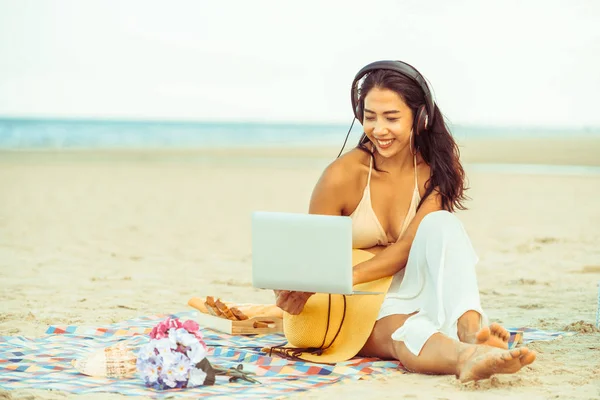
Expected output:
(356, 103)
(422, 120)
(359, 111)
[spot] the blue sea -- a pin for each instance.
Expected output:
(109, 134)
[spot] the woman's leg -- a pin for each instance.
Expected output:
(443, 355)
(451, 261)
(440, 281)
(460, 288)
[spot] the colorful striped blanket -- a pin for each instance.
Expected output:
(45, 362)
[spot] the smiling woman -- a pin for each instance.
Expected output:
(404, 101)
(400, 186)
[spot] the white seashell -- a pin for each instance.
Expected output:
(116, 361)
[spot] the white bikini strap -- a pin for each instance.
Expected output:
(370, 168)
(415, 165)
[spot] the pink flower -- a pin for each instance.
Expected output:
(191, 326)
(161, 330)
(157, 333)
(174, 323)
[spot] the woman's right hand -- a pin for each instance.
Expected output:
(292, 302)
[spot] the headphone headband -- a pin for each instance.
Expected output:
(402, 68)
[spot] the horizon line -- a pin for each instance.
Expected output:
(233, 121)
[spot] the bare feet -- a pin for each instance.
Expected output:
(481, 362)
(494, 335)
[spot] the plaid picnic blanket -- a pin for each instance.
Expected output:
(45, 363)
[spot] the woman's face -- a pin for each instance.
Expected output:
(387, 121)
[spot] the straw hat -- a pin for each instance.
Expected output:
(333, 328)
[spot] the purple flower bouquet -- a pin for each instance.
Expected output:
(175, 357)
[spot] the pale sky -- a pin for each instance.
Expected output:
(489, 62)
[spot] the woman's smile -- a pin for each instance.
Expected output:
(384, 144)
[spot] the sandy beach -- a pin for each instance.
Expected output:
(90, 237)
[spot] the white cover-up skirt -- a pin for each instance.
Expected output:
(439, 282)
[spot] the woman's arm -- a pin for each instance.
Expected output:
(327, 199)
(393, 258)
(329, 194)
(375, 249)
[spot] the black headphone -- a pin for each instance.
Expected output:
(425, 112)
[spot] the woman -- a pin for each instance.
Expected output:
(400, 186)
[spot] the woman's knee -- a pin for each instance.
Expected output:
(440, 220)
(442, 231)
(439, 224)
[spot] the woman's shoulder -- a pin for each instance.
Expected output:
(338, 186)
(346, 170)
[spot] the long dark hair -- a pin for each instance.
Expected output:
(436, 144)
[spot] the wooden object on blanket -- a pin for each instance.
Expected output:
(250, 326)
(238, 319)
(248, 309)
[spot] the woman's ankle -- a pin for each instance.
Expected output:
(468, 325)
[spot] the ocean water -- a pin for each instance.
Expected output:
(107, 134)
(71, 134)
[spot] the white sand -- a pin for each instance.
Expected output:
(94, 238)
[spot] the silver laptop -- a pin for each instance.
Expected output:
(303, 252)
